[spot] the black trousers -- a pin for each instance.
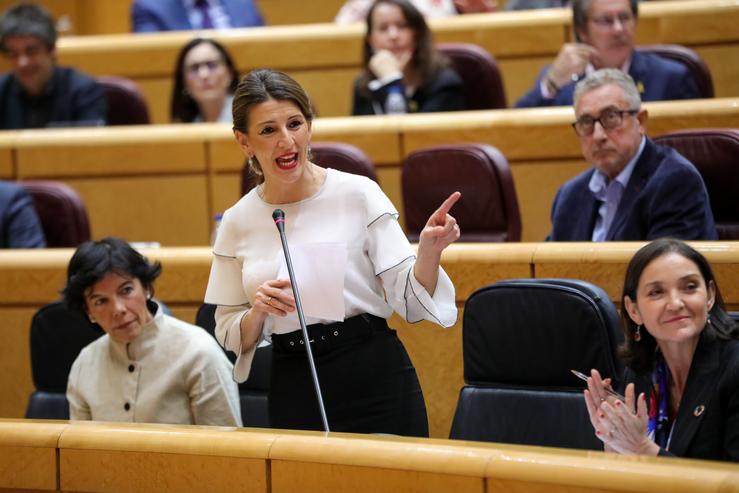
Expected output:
(368, 382)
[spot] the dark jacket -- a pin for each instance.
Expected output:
(665, 196)
(657, 78)
(707, 425)
(442, 93)
(19, 224)
(71, 98)
(171, 15)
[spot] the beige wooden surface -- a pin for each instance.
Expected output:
(108, 457)
(165, 183)
(28, 455)
(325, 57)
(31, 278)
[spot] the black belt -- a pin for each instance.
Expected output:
(326, 337)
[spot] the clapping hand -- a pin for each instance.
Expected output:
(620, 425)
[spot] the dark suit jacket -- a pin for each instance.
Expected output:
(171, 15)
(707, 425)
(443, 93)
(19, 224)
(657, 78)
(71, 98)
(665, 196)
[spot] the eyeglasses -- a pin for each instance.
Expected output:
(609, 119)
(194, 69)
(608, 21)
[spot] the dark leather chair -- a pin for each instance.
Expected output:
(488, 209)
(57, 337)
(126, 103)
(521, 338)
(483, 84)
(715, 152)
(689, 58)
(253, 391)
(337, 155)
(61, 211)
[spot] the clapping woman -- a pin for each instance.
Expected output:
(682, 358)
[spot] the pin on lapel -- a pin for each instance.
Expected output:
(699, 410)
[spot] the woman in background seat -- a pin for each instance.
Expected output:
(205, 80)
(403, 72)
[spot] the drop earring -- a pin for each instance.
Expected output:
(92, 320)
(637, 333)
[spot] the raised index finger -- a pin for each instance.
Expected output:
(446, 206)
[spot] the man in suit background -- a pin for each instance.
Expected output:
(604, 30)
(180, 15)
(636, 189)
(37, 92)
(19, 224)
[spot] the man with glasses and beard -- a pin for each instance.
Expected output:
(636, 189)
(604, 33)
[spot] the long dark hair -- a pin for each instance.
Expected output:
(183, 107)
(640, 355)
(426, 60)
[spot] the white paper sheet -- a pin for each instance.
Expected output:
(319, 272)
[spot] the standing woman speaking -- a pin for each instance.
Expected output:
(348, 229)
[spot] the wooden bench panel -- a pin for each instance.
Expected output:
(28, 455)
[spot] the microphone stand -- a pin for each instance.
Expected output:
(279, 216)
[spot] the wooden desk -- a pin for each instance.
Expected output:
(30, 279)
(165, 183)
(325, 58)
(118, 457)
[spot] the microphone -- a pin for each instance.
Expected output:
(279, 217)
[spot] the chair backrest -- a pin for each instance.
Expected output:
(337, 155)
(715, 152)
(689, 58)
(61, 211)
(126, 102)
(253, 391)
(57, 337)
(521, 338)
(488, 209)
(483, 84)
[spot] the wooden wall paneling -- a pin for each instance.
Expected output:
(7, 156)
(108, 17)
(361, 463)
(171, 210)
(298, 11)
(15, 363)
(101, 457)
(721, 60)
(28, 455)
